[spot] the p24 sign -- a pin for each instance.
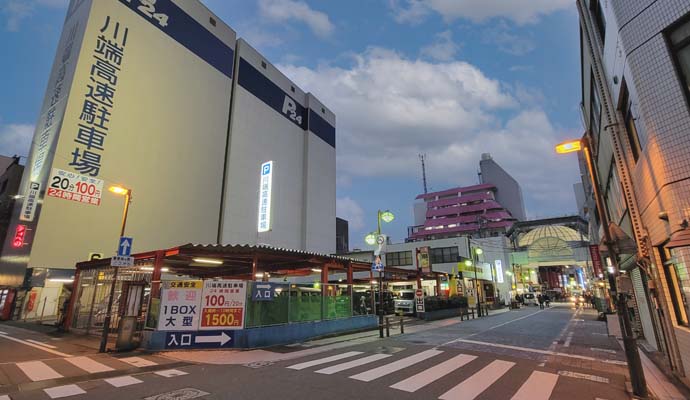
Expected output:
(148, 9)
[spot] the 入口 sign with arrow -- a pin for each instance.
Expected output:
(199, 340)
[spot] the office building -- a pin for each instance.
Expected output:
(635, 66)
(342, 236)
(508, 190)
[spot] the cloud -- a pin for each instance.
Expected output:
(16, 11)
(413, 12)
(349, 209)
(286, 10)
(519, 11)
(15, 139)
(508, 42)
(443, 48)
(391, 108)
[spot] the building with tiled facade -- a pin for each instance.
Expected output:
(636, 106)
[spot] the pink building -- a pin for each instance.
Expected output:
(463, 211)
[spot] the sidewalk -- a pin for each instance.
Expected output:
(657, 382)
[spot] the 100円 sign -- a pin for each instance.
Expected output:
(72, 186)
(223, 304)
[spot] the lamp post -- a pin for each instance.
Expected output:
(637, 377)
(119, 190)
(371, 239)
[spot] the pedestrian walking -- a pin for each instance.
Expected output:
(547, 300)
(540, 299)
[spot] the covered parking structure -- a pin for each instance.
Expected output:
(313, 294)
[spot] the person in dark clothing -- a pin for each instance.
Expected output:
(547, 300)
(540, 299)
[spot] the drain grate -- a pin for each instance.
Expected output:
(259, 364)
(388, 350)
(180, 394)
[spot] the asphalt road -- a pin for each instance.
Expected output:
(557, 353)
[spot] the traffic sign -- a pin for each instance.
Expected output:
(199, 340)
(419, 300)
(118, 261)
(124, 247)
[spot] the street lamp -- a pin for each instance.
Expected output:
(371, 239)
(629, 342)
(119, 190)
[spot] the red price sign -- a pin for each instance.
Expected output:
(222, 317)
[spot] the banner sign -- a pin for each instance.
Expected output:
(596, 260)
(180, 306)
(72, 186)
(499, 271)
(423, 260)
(223, 304)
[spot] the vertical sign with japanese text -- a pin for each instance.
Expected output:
(499, 271)
(596, 260)
(180, 306)
(265, 187)
(223, 304)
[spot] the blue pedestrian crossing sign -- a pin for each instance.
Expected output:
(124, 248)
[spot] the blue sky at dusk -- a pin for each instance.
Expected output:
(448, 78)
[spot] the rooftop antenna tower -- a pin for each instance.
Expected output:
(422, 158)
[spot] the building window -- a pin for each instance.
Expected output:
(679, 38)
(444, 255)
(598, 17)
(399, 258)
(675, 269)
(630, 128)
(594, 107)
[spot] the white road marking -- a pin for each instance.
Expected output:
(603, 350)
(3, 333)
(547, 352)
(137, 362)
(567, 341)
(5, 397)
(416, 382)
(352, 364)
(41, 343)
(588, 377)
(384, 370)
(325, 360)
(473, 386)
(24, 342)
(121, 381)
(170, 373)
(63, 391)
(38, 371)
(539, 386)
(89, 365)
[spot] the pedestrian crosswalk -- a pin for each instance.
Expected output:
(478, 376)
(56, 368)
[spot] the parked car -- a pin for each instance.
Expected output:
(404, 302)
(530, 299)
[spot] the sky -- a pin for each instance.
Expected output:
(451, 79)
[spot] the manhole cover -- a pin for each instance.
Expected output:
(259, 364)
(180, 394)
(388, 350)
